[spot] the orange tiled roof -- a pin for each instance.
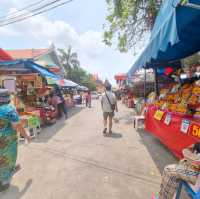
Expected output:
(26, 53)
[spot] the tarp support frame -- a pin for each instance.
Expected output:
(156, 82)
(145, 85)
(192, 5)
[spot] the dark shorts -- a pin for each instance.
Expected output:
(108, 114)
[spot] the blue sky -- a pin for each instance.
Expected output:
(78, 24)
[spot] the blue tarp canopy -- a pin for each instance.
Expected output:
(28, 66)
(176, 35)
(42, 70)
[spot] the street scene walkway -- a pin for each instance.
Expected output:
(73, 160)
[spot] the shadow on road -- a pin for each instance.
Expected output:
(159, 153)
(14, 193)
(113, 135)
(49, 131)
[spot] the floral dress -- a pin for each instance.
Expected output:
(8, 143)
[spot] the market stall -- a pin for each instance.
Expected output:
(173, 114)
(28, 85)
(177, 131)
(68, 87)
(174, 117)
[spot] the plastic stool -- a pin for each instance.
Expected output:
(31, 132)
(38, 129)
(194, 194)
(137, 119)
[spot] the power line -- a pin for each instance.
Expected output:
(35, 14)
(22, 9)
(8, 19)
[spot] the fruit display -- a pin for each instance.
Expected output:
(179, 98)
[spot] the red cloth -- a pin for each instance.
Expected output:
(171, 136)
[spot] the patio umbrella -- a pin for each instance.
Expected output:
(66, 83)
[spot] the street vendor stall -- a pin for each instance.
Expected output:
(173, 113)
(68, 87)
(174, 117)
(27, 83)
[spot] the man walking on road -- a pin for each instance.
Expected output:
(109, 106)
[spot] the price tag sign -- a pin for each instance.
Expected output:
(158, 115)
(185, 126)
(168, 119)
(195, 130)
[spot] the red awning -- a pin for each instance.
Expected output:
(54, 69)
(4, 56)
(121, 77)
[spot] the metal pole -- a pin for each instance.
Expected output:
(145, 85)
(156, 82)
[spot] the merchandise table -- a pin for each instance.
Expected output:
(169, 132)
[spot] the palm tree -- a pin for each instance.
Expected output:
(69, 59)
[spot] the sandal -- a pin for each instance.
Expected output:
(104, 131)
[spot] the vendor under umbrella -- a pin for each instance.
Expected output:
(9, 126)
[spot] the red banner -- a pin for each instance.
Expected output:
(171, 134)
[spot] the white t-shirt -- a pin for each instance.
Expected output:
(105, 103)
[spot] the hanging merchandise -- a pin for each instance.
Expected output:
(160, 71)
(30, 89)
(38, 82)
(168, 71)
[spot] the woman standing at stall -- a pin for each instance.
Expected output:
(62, 108)
(9, 126)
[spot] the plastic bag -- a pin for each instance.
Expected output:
(116, 118)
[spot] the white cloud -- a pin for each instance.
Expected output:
(93, 54)
(4, 31)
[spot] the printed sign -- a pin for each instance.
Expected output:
(158, 115)
(168, 119)
(185, 126)
(195, 130)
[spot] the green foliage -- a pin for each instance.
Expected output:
(74, 72)
(80, 76)
(69, 59)
(129, 20)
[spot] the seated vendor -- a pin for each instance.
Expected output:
(188, 170)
